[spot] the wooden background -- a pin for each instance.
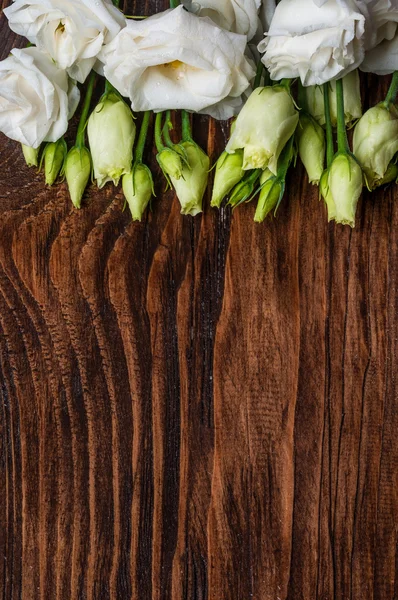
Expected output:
(196, 409)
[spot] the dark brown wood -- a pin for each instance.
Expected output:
(196, 409)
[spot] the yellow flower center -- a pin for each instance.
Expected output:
(176, 64)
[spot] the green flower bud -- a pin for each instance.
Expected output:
(77, 171)
(229, 172)
(111, 133)
(345, 184)
(264, 125)
(352, 100)
(54, 156)
(311, 147)
(244, 190)
(376, 142)
(31, 155)
(171, 163)
(271, 191)
(327, 196)
(191, 186)
(138, 189)
(390, 175)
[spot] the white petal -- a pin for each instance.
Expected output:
(177, 60)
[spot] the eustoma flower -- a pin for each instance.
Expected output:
(138, 184)
(266, 122)
(381, 41)
(54, 159)
(376, 138)
(314, 40)
(383, 59)
(111, 134)
(36, 98)
(229, 172)
(341, 184)
(176, 60)
(240, 16)
(314, 98)
(71, 31)
(78, 165)
(311, 147)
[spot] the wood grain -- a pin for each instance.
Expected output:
(196, 409)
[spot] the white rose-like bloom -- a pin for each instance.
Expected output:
(315, 43)
(36, 98)
(263, 127)
(71, 31)
(381, 36)
(381, 20)
(383, 59)
(240, 16)
(176, 60)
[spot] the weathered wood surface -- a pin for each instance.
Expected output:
(195, 409)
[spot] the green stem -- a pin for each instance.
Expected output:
(158, 132)
(109, 87)
(286, 83)
(329, 127)
(116, 3)
(259, 74)
(166, 130)
(393, 91)
(139, 151)
(174, 3)
(186, 126)
(342, 141)
(81, 130)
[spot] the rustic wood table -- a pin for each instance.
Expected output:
(195, 409)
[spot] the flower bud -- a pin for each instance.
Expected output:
(390, 175)
(171, 163)
(345, 185)
(31, 155)
(138, 189)
(245, 189)
(327, 195)
(311, 147)
(77, 171)
(264, 125)
(229, 172)
(352, 100)
(54, 156)
(191, 186)
(111, 133)
(271, 191)
(376, 142)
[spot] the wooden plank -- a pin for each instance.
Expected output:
(195, 409)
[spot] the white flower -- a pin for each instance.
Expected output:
(345, 181)
(315, 101)
(240, 16)
(381, 20)
(71, 31)
(375, 141)
(111, 133)
(266, 14)
(176, 60)
(263, 127)
(315, 43)
(383, 59)
(381, 36)
(36, 98)
(191, 187)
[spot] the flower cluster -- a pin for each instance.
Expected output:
(286, 73)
